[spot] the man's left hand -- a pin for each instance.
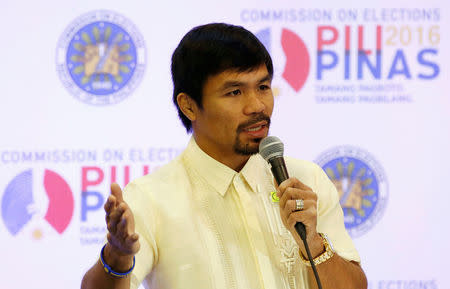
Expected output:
(289, 191)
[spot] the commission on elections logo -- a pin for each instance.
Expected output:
(361, 183)
(35, 192)
(100, 57)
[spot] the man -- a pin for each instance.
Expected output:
(207, 219)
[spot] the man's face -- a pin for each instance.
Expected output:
(236, 112)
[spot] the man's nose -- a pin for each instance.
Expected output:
(254, 103)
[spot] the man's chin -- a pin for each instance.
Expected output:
(249, 148)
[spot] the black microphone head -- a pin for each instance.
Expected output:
(271, 147)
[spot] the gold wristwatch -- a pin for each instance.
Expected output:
(329, 252)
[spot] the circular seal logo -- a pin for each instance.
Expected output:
(100, 57)
(361, 183)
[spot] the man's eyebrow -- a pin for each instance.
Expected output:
(234, 83)
(265, 78)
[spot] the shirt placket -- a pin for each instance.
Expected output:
(247, 208)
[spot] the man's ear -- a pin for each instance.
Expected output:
(187, 105)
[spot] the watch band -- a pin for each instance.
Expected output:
(329, 252)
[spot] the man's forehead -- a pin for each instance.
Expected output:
(236, 76)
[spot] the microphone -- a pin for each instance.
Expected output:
(271, 149)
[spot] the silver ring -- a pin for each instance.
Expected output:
(299, 205)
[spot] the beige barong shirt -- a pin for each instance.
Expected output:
(203, 225)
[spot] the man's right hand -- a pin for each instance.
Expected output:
(123, 241)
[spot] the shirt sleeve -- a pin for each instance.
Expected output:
(140, 202)
(330, 218)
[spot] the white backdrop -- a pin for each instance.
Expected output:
(357, 86)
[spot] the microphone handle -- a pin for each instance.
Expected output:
(279, 170)
(280, 173)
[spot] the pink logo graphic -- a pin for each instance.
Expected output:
(18, 199)
(297, 65)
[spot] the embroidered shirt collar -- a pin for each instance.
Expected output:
(254, 171)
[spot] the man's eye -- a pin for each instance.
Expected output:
(264, 87)
(234, 92)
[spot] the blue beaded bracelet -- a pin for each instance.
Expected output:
(110, 271)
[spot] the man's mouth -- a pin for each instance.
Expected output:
(257, 130)
(256, 126)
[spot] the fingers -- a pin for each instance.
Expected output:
(109, 204)
(292, 193)
(116, 192)
(289, 191)
(132, 238)
(114, 208)
(125, 227)
(123, 231)
(120, 223)
(127, 246)
(292, 215)
(132, 242)
(115, 216)
(292, 183)
(291, 206)
(306, 217)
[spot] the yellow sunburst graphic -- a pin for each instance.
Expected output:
(101, 56)
(351, 192)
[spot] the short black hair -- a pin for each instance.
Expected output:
(208, 50)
